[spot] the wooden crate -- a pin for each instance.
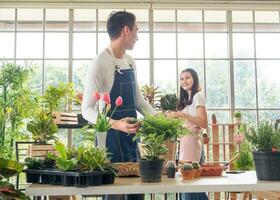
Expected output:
(64, 118)
(39, 150)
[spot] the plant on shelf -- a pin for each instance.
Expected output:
(9, 168)
(42, 128)
(57, 97)
(151, 94)
(187, 171)
(34, 163)
(151, 164)
(237, 117)
(265, 141)
(103, 107)
(197, 169)
(170, 169)
(168, 102)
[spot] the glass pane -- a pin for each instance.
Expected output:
(243, 45)
(35, 83)
(190, 45)
(268, 83)
(215, 16)
(84, 19)
(29, 45)
(217, 84)
(189, 16)
(164, 15)
(216, 45)
(56, 71)
(165, 75)
(267, 27)
(215, 27)
(269, 115)
(196, 65)
(189, 27)
(85, 15)
(80, 70)
(30, 20)
(103, 14)
(143, 72)
(268, 45)
(244, 83)
(84, 45)
(7, 41)
(242, 17)
(164, 45)
(164, 26)
(242, 27)
(7, 17)
(103, 41)
(57, 19)
(142, 47)
(223, 117)
(266, 17)
(142, 18)
(249, 117)
(56, 45)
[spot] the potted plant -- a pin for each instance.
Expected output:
(151, 164)
(170, 129)
(43, 130)
(237, 117)
(265, 142)
(102, 125)
(168, 102)
(187, 171)
(151, 94)
(170, 169)
(9, 168)
(197, 169)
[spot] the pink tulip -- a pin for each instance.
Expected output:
(96, 96)
(106, 98)
(119, 101)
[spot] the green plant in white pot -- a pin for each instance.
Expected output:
(265, 141)
(151, 164)
(237, 117)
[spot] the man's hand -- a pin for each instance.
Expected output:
(124, 125)
(172, 114)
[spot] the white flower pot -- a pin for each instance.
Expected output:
(237, 120)
(101, 139)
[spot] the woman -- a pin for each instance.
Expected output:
(192, 110)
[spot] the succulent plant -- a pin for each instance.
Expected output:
(195, 165)
(170, 164)
(187, 167)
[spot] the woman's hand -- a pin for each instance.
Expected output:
(172, 114)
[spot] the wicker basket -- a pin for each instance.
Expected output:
(127, 169)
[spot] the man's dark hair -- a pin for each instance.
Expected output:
(117, 21)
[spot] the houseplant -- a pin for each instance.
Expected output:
(170, 169)
(151, 94)
(187, 171)
(151, 164)
(237, 117)
(168, 102)
(265, 141)
(103, 107)
(197, 169)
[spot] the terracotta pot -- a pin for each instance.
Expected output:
(197, 172)
(171, 154)
(187, 174)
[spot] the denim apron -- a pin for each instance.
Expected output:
(120, 145)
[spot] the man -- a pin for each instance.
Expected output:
(113, 71)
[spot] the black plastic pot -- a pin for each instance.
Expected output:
(32, 176)
(150, 170)
(267, 165)
(108, 177)
(170, 171)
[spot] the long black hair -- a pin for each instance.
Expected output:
(185, 100)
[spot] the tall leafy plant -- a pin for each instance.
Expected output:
(17, 102)
(151, 94)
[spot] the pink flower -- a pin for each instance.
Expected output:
(96, 96)
(238, 138)
(106, 98)
(119, 101)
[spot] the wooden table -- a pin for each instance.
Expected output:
(227, 183)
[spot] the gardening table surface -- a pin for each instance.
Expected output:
(227, 182)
